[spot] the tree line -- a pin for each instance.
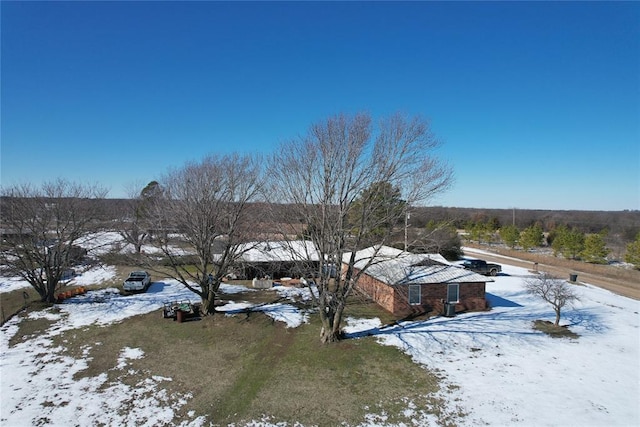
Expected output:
(568, 242)
(626, 223)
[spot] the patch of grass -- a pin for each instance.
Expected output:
(13, 302)
(28, 328)
(326, 385)
(552, 330)
(244, 367)
(115, 258)
(365, 308)
(94, 344)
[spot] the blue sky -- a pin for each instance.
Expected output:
(537, 104)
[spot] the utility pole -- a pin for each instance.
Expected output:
(407, 215)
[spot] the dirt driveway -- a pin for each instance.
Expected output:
(627, 288)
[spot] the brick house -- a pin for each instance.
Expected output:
(404, 283)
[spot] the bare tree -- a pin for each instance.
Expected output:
(43, 227)
(438, 237)
(344, 160)
(555, 291)
(207, 204)
(134, 225)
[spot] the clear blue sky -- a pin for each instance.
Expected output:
(538, 104)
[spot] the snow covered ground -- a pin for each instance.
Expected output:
(37, 382)
(496, 369)
(508, 374)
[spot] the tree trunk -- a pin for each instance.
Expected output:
(557, 317)
(51, 294)
(331, 321)
(46, 292)
(208, 303)
(42, 292)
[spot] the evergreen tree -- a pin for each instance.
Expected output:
(531, 237)
(568, 242)
(494, 224)
(574, 244)
(557, 237)
(478, 231)
(510, 235)
(471, 231)
(633, 252)
(382, 204)
(136, 227)
(595, 249)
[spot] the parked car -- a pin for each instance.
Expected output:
(137, 281)
(482, 267)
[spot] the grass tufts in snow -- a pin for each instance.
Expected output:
(554, 331)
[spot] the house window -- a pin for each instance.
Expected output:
(453, 292)
(414, 294)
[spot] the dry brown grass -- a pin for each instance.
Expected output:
(12, 302)
(552, 330)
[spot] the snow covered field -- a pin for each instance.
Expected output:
(496, 369)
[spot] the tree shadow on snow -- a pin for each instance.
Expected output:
(156, 287)
(489, 323)
(586, 318)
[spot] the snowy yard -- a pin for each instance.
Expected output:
(509, 374)
(496, 368)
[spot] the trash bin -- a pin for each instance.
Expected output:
(179, 316)
(573, 277)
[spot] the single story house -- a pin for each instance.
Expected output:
(404, 283)
(277, 259)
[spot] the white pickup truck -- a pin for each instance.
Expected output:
(137, 281)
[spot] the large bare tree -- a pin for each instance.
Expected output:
(43, 226)
(342, 178)
(206, 203)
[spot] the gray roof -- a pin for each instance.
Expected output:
(282, 251)
(396, 267)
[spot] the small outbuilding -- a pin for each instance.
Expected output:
(404, 283)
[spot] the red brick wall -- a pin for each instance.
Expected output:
(472, 297)
(395, 299)
(377, 291)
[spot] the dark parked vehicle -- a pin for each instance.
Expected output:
(482, 267)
